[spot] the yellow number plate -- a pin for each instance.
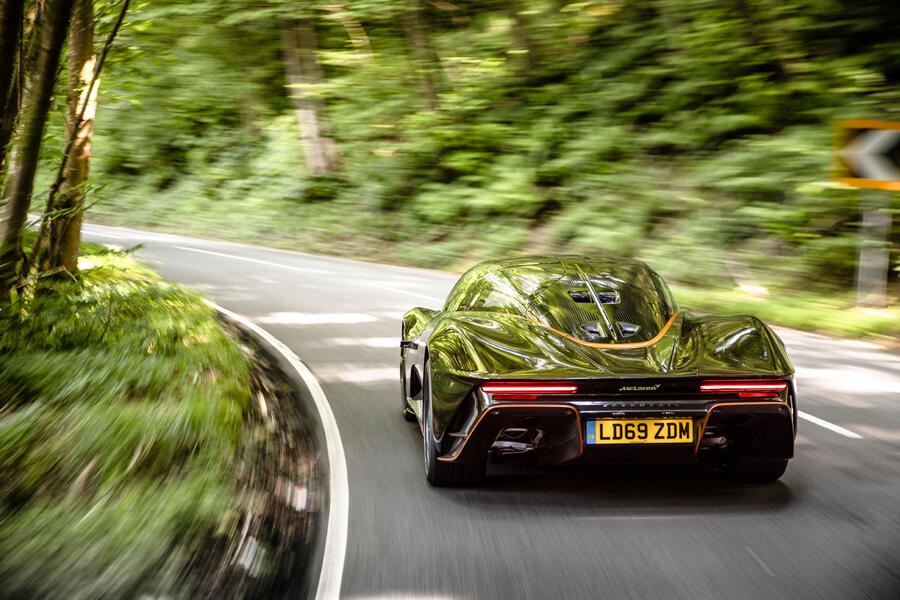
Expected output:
(640, 431)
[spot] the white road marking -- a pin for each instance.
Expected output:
(183, 239)
(827, 425)
(253, 260)
(759, 560)
(108, 235)
(309, 270)
(143, 236)
(339, 489)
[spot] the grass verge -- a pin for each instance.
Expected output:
(122, 405)
(811, 312)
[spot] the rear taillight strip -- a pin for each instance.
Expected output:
(752, 385)
(529, 388)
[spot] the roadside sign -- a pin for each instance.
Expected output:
(868, 154)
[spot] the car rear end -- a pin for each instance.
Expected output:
(660, 420)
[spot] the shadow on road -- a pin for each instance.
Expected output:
(610, 492)
(635, 492)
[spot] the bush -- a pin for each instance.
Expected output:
(123, 403)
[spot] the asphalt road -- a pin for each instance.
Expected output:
(830, 528)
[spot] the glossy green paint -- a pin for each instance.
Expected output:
(530, 332)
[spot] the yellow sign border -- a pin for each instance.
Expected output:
(859, 182)
(872, 184)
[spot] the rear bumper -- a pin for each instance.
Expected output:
(763, 429)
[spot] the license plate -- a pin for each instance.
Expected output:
(640, 431)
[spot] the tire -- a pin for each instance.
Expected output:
(758, 470)
(444, 473)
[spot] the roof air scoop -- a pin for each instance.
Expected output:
(594, 331)
(584, 297)
(628, 329)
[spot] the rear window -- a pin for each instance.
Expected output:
(615, 311)
(631, 304)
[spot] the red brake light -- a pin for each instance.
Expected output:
(747, 388)
(526, 388)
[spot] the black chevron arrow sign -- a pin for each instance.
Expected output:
(868, 154)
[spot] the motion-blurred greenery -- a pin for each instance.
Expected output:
(695, 134)
(123, 406)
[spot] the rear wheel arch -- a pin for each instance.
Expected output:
(792, 399)
(441, 472)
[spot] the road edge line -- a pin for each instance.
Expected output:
(330, 578)
(306, 270)
(829, 426)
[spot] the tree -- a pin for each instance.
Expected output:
(65, 231)
(40, 68)
(521, 32)
(423, 53)
(303, 73)
(10, 25)
(56, 243)
(359, 39)
(11, 13)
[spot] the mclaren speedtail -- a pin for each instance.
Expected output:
(572, 358)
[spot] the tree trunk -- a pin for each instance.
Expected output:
(355, 31)
(65, 231)
(521, 33)
(11, 12)
(303, 73)
(418, 41)
(39, 248)
(8, 121)
(753, 31)
(45, 52)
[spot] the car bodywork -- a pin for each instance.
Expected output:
(608, 339)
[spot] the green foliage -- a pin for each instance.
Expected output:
(813, 312)
(695, 134)
(123, 404)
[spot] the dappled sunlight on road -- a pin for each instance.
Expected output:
(297, 318)
(405, 596)
(372, 342)
(357, 373)
(850, 380)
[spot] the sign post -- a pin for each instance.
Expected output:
(868, 156)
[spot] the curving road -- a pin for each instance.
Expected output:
(830, 528)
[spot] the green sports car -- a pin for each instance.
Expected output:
(574, 358)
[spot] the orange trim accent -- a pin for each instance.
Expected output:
(499, 406)
(715, 406)
(868, 124)
(873, 184)
(626, 346)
